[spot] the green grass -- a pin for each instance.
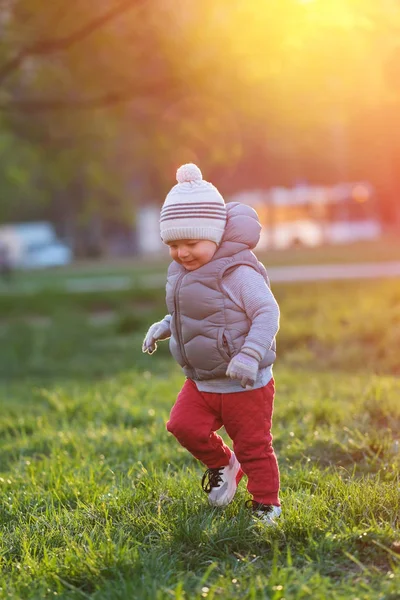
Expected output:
(343, 326)
(98, 501)
(54, 302)
(132, 272)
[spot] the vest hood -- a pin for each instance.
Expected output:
(242, 230)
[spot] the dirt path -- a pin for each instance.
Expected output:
(334, 272)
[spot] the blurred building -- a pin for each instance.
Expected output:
(148, 230)
(314, 215)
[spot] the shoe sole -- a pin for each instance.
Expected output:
(231, 489)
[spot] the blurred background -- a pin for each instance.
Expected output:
(291, 106)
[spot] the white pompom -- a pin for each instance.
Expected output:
(188, 173)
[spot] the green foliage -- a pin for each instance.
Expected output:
(98, 111)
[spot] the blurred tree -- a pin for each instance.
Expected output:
(101, 101)
(19, 164)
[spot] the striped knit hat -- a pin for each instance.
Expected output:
(194, 209)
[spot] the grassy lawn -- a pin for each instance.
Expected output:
(135, 272)
(98, 501)
(122, 284)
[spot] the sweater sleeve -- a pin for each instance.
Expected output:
(248, 289)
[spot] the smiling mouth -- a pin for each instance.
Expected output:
(188, 262)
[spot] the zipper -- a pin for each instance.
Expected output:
(225, 344)
(178, 321)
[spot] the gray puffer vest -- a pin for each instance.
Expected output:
(207, 328)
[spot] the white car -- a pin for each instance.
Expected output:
(34, 246)
(38, 256)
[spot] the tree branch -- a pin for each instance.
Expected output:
(50, 46)
(34, 106)
(102, 101)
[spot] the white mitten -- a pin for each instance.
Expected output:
(245, 368)
(158, 331)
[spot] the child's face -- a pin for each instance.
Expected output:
(192, 254)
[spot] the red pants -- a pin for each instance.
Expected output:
(247, 418)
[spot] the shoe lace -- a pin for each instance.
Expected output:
(258, 506)
(211, 479)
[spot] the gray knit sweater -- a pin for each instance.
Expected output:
(248, 289)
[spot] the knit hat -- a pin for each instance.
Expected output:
(193, 209)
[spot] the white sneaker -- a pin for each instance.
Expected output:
(221, 484)
(264, 513)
